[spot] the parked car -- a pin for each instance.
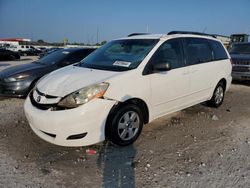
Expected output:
(240, 54)
(17, 81)
(20, 48)
(31, 52)
(125, 84)
(8, 55)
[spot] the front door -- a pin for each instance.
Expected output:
(169, 89)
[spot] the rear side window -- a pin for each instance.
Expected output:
(219, 52)
(197, 50)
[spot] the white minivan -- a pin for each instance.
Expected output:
(126, 84)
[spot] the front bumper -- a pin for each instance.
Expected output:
(57, 127)
(241, 75)
(15, 89)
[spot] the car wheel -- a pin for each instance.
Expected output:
(125, 126)
(218, 95)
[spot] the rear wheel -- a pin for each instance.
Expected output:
(125, 126)
(218, 95)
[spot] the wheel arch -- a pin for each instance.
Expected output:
(224, 82)
(137, 101)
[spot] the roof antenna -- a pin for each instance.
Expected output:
(204, 30)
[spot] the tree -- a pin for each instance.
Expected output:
(40, 41)
(65, 41)
(103, 42)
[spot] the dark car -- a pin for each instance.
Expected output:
(8, 55)
(17, 81)
(240, 54)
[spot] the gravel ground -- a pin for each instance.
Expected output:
(196, 147)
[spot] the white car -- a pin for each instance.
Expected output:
(126, 84)
(20, 48)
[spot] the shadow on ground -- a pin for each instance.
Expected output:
(118, 165)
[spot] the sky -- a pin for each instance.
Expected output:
(97, 20)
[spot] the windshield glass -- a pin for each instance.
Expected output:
(53, 58)
(240, 49)
(119, 55)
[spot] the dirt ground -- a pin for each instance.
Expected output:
(197, 147)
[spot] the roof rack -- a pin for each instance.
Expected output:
(135, 34)
(191, 32)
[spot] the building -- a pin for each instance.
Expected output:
(12, 41)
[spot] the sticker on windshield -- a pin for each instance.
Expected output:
(122, 63)
(65, 52)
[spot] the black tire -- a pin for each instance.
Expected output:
(114, 131)
(219, 90)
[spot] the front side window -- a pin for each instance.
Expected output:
(169, 52)
(119, 55)
(197, 51)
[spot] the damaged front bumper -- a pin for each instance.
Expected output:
(81, 126)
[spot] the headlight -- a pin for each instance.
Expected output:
(16, 78)
(84, 95)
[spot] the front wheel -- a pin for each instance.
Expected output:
(125, 126)
(218, 95)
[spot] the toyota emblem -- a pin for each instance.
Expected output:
(38, 99)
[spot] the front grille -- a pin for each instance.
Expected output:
(40, 106)
(52, 107)
(241, 62)
(241, 69)
(45, 95)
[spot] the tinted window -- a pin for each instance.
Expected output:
(79, 55)
(197, 50)
(54, 57)
(169, 52)
(243, 48)
(218, 50)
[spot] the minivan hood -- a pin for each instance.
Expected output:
(72, 78)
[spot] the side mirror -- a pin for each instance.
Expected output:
(162, 67)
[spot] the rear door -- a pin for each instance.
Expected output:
(169, 89)
(202, 68)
